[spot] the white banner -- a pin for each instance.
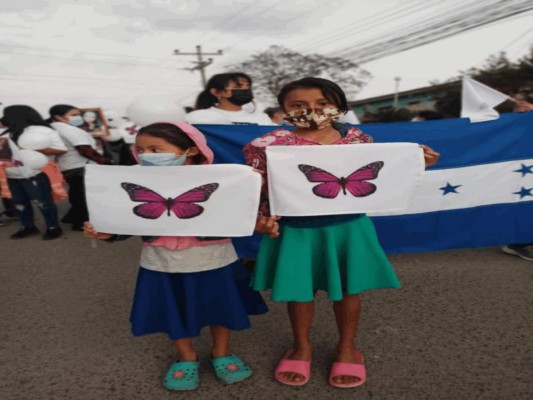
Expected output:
(478, 101)
(198, 200)
(334, 179)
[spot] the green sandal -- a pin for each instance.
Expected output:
(182, 375)
(230, 369)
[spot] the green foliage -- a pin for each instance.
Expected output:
(512, 78)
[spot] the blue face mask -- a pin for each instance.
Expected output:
(161, 159)
(75, 120)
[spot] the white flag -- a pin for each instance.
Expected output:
(333, 179)
(479, 100)
(196, 200)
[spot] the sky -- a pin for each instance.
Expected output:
(109, 53)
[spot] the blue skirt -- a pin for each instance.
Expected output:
(181, 304)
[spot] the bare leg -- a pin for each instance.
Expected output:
(185, 349)
(221, 338)
(301, 316)
(347, 313)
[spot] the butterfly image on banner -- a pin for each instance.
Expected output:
(330, 186)
(155, 205)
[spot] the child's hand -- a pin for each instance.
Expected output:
(523, 106)
(430, 155)
(89, 232)
(268, 226)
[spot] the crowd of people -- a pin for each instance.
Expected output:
(178, 274)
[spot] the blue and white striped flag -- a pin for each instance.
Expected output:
(479, 194)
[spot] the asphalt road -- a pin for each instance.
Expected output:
(460, 328)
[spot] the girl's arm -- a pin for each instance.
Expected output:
(90, 153)
(265, 224)
(51, 152)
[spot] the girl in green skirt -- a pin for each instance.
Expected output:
(339, 254)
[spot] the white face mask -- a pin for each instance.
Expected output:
(75, 120)
(161, 159)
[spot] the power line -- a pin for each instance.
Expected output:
(433, 31)
(83, 53)
(369, 22)
(86, 60)
(421, 24)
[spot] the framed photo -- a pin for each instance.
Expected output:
(94, 122)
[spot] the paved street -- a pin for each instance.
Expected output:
(460, 328)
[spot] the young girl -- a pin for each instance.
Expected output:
(81, 149)
(222, 102)
(186, 283)
(351, 263)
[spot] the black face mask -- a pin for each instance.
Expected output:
(241, 96)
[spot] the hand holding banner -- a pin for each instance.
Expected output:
(196, 200)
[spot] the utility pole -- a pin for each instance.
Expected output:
(200, 64)
(396, 90)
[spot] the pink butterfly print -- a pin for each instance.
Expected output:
(330, 185)
(155, 205)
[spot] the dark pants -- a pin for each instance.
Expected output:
(78, 212)
(9, 207)
(520, 245)
(36, 190)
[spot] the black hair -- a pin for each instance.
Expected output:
(59, 110)
(19, 117)
(173, 135)
(329, 89)
(219, 82)
(430, 114)
(270, 111)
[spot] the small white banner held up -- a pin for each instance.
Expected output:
(478, 101)
(203, 200)
(333, 179)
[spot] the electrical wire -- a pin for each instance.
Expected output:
(432, 31)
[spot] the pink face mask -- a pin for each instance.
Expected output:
(313, 118)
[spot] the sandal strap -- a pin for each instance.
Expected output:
(230, 368)
(348, 369)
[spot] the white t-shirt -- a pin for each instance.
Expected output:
(57, 144)
(73, 136)
(193, 259)
(216, 116)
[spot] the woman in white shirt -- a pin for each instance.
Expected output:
(222, 101)
(28, 185)
(81, 150)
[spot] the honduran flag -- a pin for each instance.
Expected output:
(479, 194)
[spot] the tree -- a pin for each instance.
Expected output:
(498, 72)
(277, 66)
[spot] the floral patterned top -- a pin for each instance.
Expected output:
(255, 155)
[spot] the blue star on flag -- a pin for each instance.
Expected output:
(525, 169)
(449, 188)
(524, 192)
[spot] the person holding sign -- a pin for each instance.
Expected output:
(186, 283)
(339, 254)
(81, 149)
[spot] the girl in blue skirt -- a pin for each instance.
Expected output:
(186, 283)
(339, 254)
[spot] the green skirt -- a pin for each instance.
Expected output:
(342, 258)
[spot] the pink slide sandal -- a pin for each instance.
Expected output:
(348, 369)
(298, 366)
